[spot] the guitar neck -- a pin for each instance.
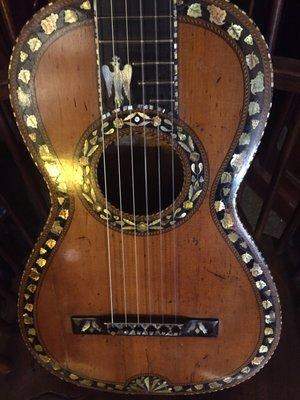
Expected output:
(141, 34)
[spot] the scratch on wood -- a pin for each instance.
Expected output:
(217, 275)
(83, 238)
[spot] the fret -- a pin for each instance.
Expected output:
(152, 63)
(156, 83)
(162, 100)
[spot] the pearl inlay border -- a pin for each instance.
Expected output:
(180, 139)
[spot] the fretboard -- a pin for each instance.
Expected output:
(140, 34)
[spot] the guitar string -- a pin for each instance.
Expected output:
(119, 169)
(104, 159)
(173, 13)
(133, 178)
(159, 165)
(145, 164)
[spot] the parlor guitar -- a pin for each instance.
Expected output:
(143, 117)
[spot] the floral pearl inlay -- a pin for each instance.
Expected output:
(34, 44)
(24, 98)
(31, 121)
(23, 56)
(49, 24)
(235, 31)
(217, 15)
(249, 40)
(86, 5)
(252, 60)
(24, 76)
(70, 16)
(254, 108)
(257, 84)
(194, 10)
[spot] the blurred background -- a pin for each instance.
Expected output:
(269, 206)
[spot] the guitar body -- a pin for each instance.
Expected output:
(203, 267)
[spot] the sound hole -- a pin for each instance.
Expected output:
(137, 164)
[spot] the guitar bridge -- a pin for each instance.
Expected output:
(183, 327)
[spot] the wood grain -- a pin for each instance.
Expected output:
(210, 281)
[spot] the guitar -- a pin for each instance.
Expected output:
(143, 117)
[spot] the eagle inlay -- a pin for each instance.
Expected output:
(119, 79)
